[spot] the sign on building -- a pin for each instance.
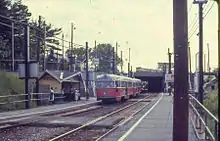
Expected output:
(33, 70)
(169, 77)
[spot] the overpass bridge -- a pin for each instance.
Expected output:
(154, 78)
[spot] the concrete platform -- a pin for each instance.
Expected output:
(47, 109)
(157, 125)
(73, 122)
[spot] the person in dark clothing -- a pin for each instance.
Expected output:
(72, 94)
(169, 89)
(213, 87)
(52, 94)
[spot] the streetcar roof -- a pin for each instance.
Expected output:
(113, 77)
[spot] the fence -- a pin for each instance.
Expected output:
(203, 120)
(17, 101)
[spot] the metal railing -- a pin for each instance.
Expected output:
(12, 100)
(203, 120)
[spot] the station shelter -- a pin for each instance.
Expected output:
(62, 82)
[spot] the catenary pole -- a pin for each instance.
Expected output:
(180, 108)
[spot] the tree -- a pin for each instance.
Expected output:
(16, 11)
(78, 56)
(4, 5)
(52, 44)
(216, 1)
(105, 54)
(216, 71)
(3, 53)
(78, 52)
(19, 12)
(4, 10)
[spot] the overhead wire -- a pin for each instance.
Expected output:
(190, 7)
(195, 21)
(36, 28)
(210, 8)
(206, 13)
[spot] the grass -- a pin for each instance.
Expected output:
(10, 84)
(211, 103)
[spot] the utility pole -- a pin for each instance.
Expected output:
(169, 65)
(13, 45)
(121, 61)
(169, 57)
(96, 54)
(45, 35)
(58, 64)
(129, 61)
(38, 57)
(180, 104)
(200, 3)
(208, 65)
(113, 60)
(87, 72)
(63, 53)
(218, 2)
(196, 58)
(70, 57)
(71, 36)
(204, 63)
(26, 54)
(71, 50)
(116, 56)
(131, 74)
(190, 69)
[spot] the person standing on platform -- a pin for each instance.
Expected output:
(169, 89)
(77, 95)
(72, 94)
(52, 94)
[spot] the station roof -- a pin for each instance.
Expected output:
(60, 76)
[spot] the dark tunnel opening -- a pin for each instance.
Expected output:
(155, 84)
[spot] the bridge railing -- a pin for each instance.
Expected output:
(203, 120)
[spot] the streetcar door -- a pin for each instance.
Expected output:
(126, 88)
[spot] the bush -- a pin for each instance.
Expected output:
(10, 84)
(211, 103)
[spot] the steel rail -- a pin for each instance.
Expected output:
(9, 124)
(96, 120)
(123, 122)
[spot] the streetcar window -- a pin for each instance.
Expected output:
(123, 84)
(116, 83)
(104, 84)
(129, 84)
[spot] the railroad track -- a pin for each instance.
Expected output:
(105, 133)
(20, 121)
(13, 123)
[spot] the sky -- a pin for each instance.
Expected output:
(145, 26)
